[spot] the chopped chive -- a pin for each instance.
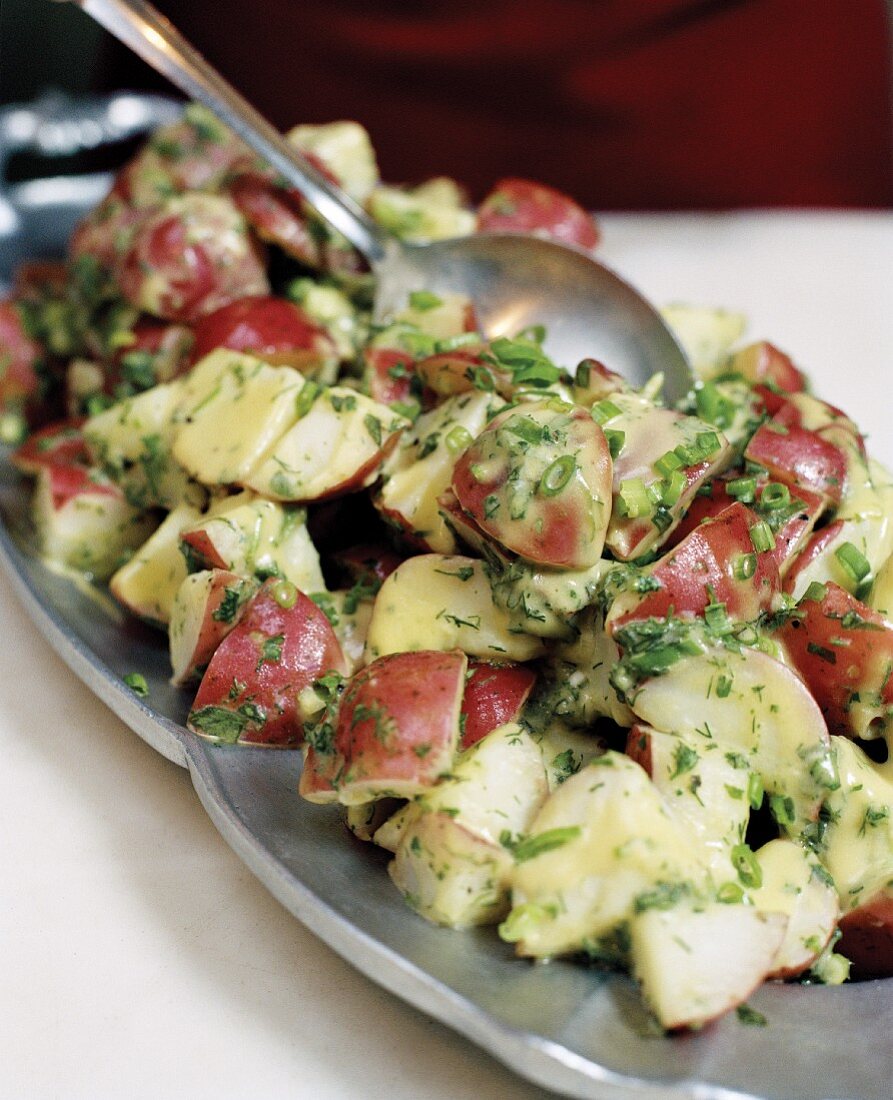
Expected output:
(673, 488)
(714, 406)
(755, 790)
(816, 591)
(662, 519)
(707, 443)
(582, 375)
(775, 495)
(667, 463)
(633, 501)
(453, 343)
(137, 684)
(717, 619)
(761, 537)
(604, 411)
(747, 865)
(304, 401)
(458, 439)
(532, 846)
(423, 300)
(744, 566)
(743, 489)
(557, 475)
(284, 593)
(616, 439)
(730, 893)
(854, 562)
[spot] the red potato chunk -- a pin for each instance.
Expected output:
(867, 939)
(391, 377)
(522, 206)
(20, 358)
(763, 362)
(107, 232)
(816, 546)
(494, 695)
(190, 256)
(398, 725)
(208, 605)
(279, 216)
(716, 563)
(800, 457)
(272, 329)
(249, 692)
(844, 652)
(61, 443)
(538, 481)
(195, 153)
(791, 523)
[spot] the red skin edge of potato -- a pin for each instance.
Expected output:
(58, 443)
(307, 650)
(833, 672)
(523, 206)
(800, 457)
(263, 325)
(704, 559)
(399, 719)
(494, 695)
(867, 939)
(214, 630)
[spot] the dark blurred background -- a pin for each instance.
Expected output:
(627, 104)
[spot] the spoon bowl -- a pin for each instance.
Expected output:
(514, 281)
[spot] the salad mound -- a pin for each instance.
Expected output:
(611, 676)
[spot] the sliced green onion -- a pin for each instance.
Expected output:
(478, 472)
(667, 463)
(673, 488)
(761, 537)
(744, 566)
(714, 406)
(730, 893)
(557, 474)
(460, 340)
(662, 519)
(616, 439)
(633, 500)
(458, 439)
(782, 808)
(854, 562)
(707, 443)
(604, 411)
(816, 591)
(137, 684)
(747, 865)
(424, 300)
(687, 454)
(743, 489)
(583, 374)
(304, 401)
(755, 790)
(284, 593)
(717, 619)
(775, 495)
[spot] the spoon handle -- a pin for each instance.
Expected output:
(149, 34)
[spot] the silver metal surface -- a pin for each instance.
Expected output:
(517, 281)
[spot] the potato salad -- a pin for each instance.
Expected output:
(611, 676)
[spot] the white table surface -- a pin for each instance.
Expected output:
(139, 958)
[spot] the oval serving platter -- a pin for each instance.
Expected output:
(577, 1031)
(574, 1030)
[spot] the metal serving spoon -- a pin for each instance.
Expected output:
(514, 281)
